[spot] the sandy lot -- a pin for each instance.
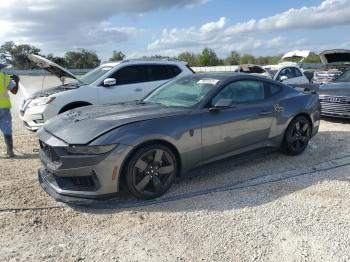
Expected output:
(269, 208)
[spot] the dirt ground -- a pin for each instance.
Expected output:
(269, 208)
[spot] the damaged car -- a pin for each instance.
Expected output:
(107, 84)
(335, 63)
(145, 145)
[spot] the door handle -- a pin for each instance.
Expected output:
(138, 89)
(265, 113)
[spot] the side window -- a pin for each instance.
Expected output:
(160, 72)
(174, 70)
(288, 72)
(129, 75)
(296, 72)
(274, 89)
(244, 91)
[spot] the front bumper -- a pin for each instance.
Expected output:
(66, 176)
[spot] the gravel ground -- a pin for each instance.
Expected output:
(271, 208)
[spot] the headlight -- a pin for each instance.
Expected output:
(89, 150)
(41, 101)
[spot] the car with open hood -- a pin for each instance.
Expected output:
(107, 84)
(335, 62)
(93, 152)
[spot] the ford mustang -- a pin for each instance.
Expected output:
(92, 152)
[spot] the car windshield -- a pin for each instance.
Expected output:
(95, 74)
(184, 92)
(345, 77)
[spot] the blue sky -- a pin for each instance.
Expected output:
(168, 27)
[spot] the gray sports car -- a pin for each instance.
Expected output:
(145, 145)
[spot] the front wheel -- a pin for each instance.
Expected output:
(151, 171)
(297, 136)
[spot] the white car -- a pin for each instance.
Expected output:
(288, 73)
(107, 84)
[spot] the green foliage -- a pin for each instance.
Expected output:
(191, 58)
(208, 58)
(117, 56)
(233, 59)
(17, 55)
(247, 59)
(313, 59)
(82, 59)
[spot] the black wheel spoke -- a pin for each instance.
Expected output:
(297, 126)
(158, 155)
(140, 164)
(305, 127)
(143, 183)
(166, 169)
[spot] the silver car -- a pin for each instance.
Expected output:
(145, 145)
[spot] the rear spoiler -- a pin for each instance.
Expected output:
(308, 88)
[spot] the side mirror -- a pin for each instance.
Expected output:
(283, 78)
(221, 104)
(109, 82)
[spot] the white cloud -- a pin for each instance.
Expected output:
(245, 35)
(59, 25)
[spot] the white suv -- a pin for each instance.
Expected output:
(107, 84)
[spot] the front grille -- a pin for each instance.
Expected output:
(49, 151)
(335, 104)
(81, 183)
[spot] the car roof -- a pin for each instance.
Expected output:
(227, 76)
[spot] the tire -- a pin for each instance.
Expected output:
(297, 136)
(151, 171)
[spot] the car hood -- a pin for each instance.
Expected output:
(83, 125)
(301, 54)
(54, 90)
(51, 67)
(335, 57)
(335, 89)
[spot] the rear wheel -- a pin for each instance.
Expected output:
(151, 171)
(297, 136)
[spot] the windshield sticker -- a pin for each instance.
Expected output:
(208, 81)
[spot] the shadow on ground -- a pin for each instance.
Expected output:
(215, 186)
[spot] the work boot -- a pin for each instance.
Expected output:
(9, 146)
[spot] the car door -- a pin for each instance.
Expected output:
(129, 86)
(158, 74)
(245, 123)
(294, 75)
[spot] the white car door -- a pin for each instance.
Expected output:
(130, 84)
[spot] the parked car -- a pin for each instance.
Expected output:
(91, 152)
(253, 69)
(335, 96)
(335, 62)
(288, 73)
(110, 83)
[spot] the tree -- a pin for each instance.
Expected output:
(313, 58)
(82, 59)
(17, 55)
(248, 59)
(117, 56)
(233, 59)
(208, 58)
(190, 58)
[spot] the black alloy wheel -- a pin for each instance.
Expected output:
(151, 171)
(297, 136)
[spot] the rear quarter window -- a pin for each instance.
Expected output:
(273, 89)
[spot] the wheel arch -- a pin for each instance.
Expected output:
(73, 105)
(124, 164)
